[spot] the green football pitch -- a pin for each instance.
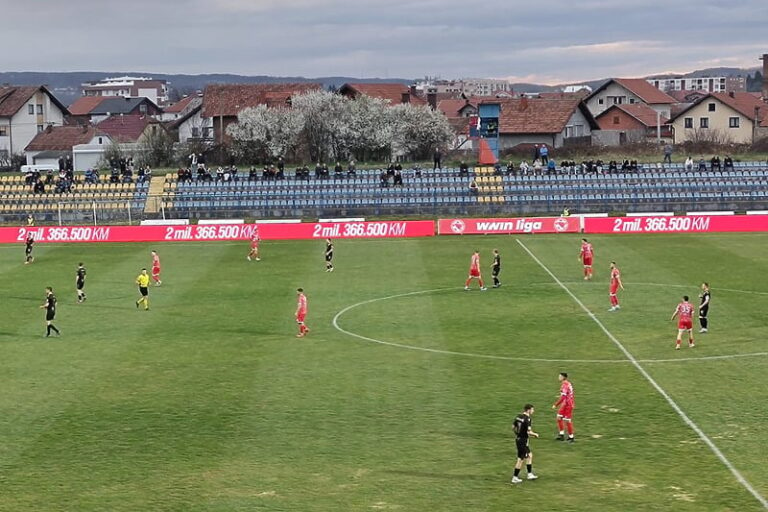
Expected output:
(403, 394)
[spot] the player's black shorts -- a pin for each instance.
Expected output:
(328, 257)
(80, 285)
(50, 315)
(495, 271)
(522, 448)
(143, 290)
(703, 312)
(28, 251)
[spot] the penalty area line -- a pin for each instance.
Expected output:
(688, 421)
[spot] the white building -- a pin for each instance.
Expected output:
(706, 84)
(129, 87)
(25, 112)
(484, 86)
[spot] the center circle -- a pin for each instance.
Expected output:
(406, 346)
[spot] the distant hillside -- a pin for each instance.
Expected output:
(66, 85)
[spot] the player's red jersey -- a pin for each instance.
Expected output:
(301, 308)
(685, 312)
(615, 279)
(474, 266)
(156, 260)
(255, 238)
(566, 393)
(586, 253)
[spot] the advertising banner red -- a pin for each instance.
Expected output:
(222, 232)
(508, 226)
(687, 224)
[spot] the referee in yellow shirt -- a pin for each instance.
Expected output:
(143, 282)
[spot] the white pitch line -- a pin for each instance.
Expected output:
(338, 315)
(688, 421)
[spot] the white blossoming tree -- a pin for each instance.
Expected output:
(417, 130)
(262, 132)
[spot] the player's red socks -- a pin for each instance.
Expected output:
(560, 425)
(569, 424)
(466, 284)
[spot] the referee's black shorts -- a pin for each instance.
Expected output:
(143, 290)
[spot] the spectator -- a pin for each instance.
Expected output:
(438, 159)
(612, 166)
(220, 173)
(633, 165)
(463, 169)
(535, 152)
(391, 169)
(279, 173)
(38, 187)
(473, 189)
(398, 178)
(537, 167)
(115, 176)
(525, 168)
(551, 167)
(280, 166)
(599, 166)
(668, 153)
(688, 163)
(384, 179)
(510, 168)
(544, 154)
(338, 171)
(68, 164)
(715, 164)
(702, 165)
(728, 163)
(201, 162)
(193, 160)
(253, 174)
(49, 177)
(62, 165)
(625, 166)
(351, 169)
(318, 170)
(91, 176)
(417, 170)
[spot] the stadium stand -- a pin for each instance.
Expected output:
(447, 192)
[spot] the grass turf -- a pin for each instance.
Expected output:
(208, 402)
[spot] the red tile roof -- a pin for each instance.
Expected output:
(228, 100)
(85, 104)
(390, 92)
(640, 111)
(452, 107)
(183, 103)
(125, 128)
(537, 115)
(61, 138)
(13, 98)
(644, 90)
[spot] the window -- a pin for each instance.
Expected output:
(3, 131)
(711, 107)
(568, 131)
(600, 101)
(616, 120)
(40, 128)
(688, 122)
(579, 129)
(195, 131)
(31, 109)
(704, 122)
(632, 100)
(101, 140)
(207, 133)
(733, 122)
(39, 109)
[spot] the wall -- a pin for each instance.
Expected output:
(718, 120)
(613, 89)
(185, 128)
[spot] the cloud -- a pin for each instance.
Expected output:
(550, 41)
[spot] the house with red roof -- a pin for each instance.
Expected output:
(129, 129)
(94, 109)
(624, 124)
(551, 121)
(394, 93)
(181, 107)
(737, 117)
(223, 102)
(26, 111)
(57, 141)
(629, 91)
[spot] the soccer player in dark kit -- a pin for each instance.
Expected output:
(80, 283)
(50, 311)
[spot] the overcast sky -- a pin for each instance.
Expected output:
(545, 41)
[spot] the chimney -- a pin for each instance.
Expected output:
(412, 89)
(48, 128)
(432, 100)
(405, 97)
(731, 94)
(764, 58)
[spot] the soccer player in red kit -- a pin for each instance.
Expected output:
(565, 403)
(614, 287)
(156, 268)
(684, 311)
(585, 255)
(301, 312)
(474, 272)
(255, 239)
